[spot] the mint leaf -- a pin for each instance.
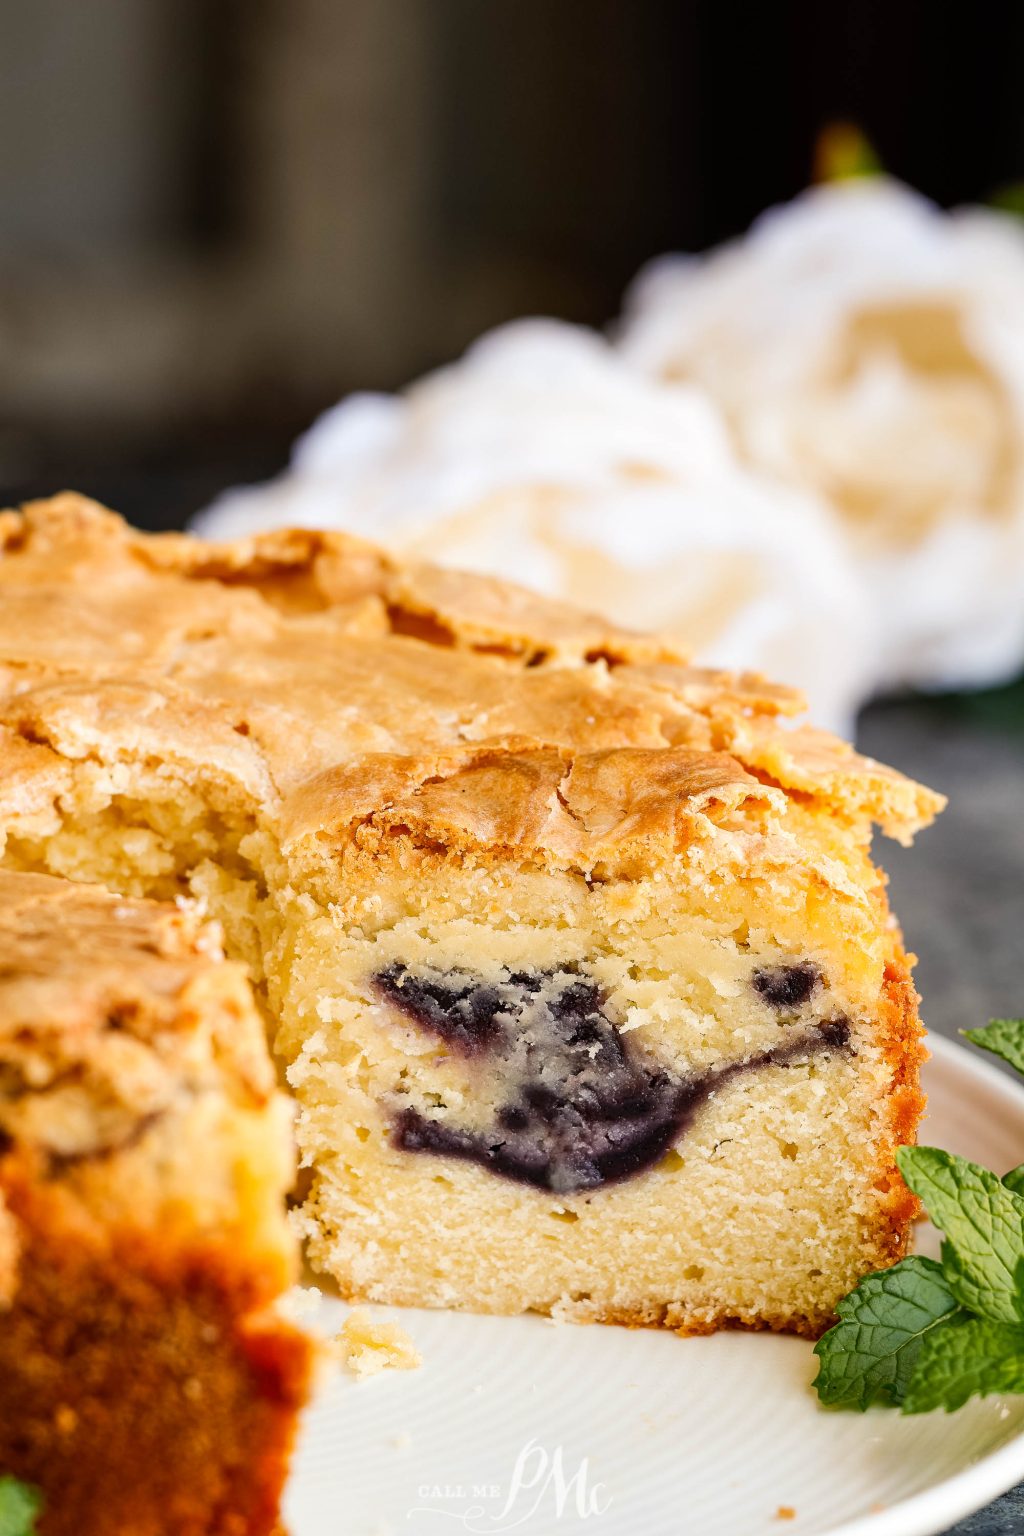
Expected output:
(962, 1285)
(19, 1506)
(1014, 1180)
(1003, 1037)
(966, 1357)
(983, 1222)
(870, 1353)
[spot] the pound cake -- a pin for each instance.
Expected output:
(146, 1385)
(573, 955)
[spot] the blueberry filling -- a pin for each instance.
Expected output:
(586, 1105)
(450, 1003)
(835, 1031)
(786, 986)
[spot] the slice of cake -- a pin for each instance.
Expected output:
(577, 961)
(146, 1385)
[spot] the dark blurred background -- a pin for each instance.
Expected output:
(217, 216)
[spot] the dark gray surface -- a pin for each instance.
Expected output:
(1004, 1518)
(960, 891)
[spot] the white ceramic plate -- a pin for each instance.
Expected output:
(515, 1424)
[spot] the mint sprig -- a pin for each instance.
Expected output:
(869, 1356)
(19, 1506)
(1003, 1037)
(926, 1335)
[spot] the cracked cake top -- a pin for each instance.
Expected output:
(113, 1011)
(342, 695)
(136, 1087)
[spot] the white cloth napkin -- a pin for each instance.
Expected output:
(544, 457)
(869, 348)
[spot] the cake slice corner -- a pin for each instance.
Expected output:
(146, 1380)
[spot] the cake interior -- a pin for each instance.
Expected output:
(612, 1096)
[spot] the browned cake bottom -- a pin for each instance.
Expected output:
(144, 1390)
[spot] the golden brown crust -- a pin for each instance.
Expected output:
(295, 669)
(901, 1038)
(572, 809)
(667, 1316)
(111, 1012)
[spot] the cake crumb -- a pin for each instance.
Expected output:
(368, 1346)
(785, 1512)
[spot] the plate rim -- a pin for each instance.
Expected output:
(935, 1509)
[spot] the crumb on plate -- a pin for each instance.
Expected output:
(369, 1346)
